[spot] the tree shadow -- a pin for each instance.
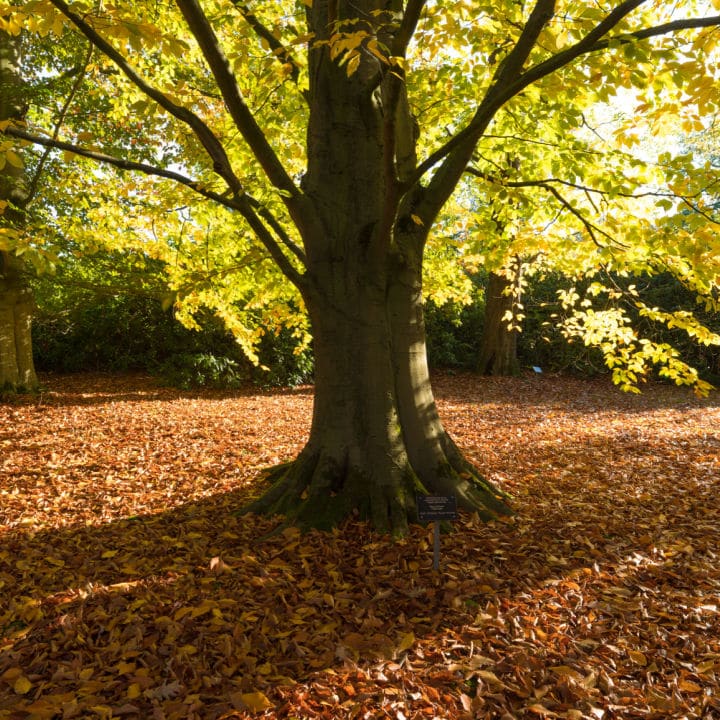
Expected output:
(187, 608)
(184, 612)
(88, 389)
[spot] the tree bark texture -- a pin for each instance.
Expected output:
(498, 348)
(376, 439)
(17, 370)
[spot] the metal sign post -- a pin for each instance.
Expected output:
(436, 509)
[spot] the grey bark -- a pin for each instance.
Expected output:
(376, 438)
(16, 300)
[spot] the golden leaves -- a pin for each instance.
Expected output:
(255, 701)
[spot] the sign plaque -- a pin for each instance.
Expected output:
(436, 509)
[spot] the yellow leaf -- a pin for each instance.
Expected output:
(490, 677)
(637, 657)
(14, 159)
(22, 685)
(11, 674)
(326, 628)
(109, 554)
(716, 4)
(417, 220)
(707, 666)
(104, 711)
(406, 642)
(353, 64)
(255, 701)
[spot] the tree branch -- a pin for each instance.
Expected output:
(458, 151)
(513, 63)
(589, 44)
(565, 57)
(559, 181)
(281, 52)
(589, 227)
(700, 211)
(408, 24)
(247, 206)
(221, 162)
(120, 163)
(34, 183)
(244, 120)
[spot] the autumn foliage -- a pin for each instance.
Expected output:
(130, 589)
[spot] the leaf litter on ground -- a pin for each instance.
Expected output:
(129, 588)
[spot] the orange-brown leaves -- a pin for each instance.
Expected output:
(129, 589)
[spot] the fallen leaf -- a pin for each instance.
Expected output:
(255, 701)
(638, 657)
(22, 685)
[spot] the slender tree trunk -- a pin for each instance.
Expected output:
(16, 304)
(16, 300)
(498, 348)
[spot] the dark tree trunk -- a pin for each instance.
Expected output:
(376, 439)
(498, 348)
(16, 300)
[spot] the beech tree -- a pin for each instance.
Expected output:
(335, 134)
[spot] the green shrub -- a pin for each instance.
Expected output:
(187, 371)
(453, 334)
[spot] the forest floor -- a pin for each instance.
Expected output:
(129, 589)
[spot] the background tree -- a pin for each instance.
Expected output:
(503, 318)
(339, 161)
(16, 301)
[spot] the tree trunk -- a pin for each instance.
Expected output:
(17, 370)
(376, 439)
(498, 348)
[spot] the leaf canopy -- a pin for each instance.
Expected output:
(180, 131)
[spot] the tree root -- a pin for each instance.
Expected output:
(319, 490)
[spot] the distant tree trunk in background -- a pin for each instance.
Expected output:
(16, 301)
(498, 348)
(16, 306)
